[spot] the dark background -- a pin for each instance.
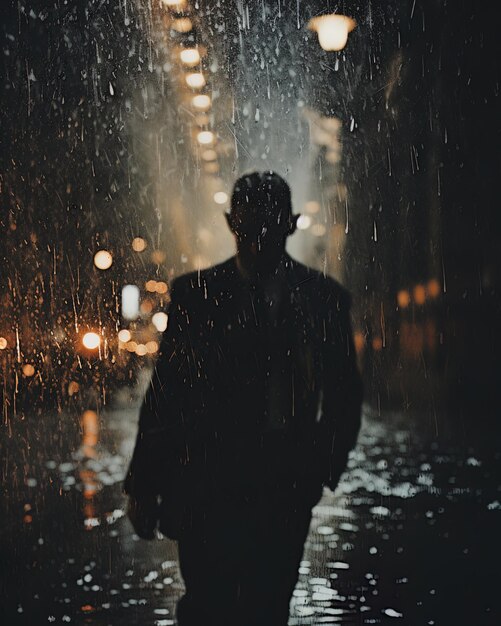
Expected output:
(87, 112)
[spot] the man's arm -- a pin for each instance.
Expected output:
(158, 421)
(343, 390)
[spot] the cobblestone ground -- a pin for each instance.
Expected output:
(411, 535)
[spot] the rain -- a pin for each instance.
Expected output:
(123, 126)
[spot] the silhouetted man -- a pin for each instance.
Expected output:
(253, 407)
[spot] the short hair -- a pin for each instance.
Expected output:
(260, 192)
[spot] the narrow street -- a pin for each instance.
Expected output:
(411, 535)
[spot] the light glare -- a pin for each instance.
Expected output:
(91, 340)
(190, 57)
(201, 102)
(205, 137)
(103, 259)
(195, 80)
(332, 30)
(160, 321)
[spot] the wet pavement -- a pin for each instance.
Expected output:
(411, 535)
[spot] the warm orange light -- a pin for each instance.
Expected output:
(103, 259)
(359, 341)
(212, 168)
(138, 244)
(174, 4)
(73, 388)
(146, 306)
(318, 230)
(190, 57)
(151, 285)
(90, 428)
(182, 25)
(124, 335)
(377, 344)
(201, 102)
(332, 30)
(403, 298)
(28, 370)
(152, 347)
(195, 80)
(3, 343)
(131, 346)
(312, 206)
(433, 288)
(158, 256)
(161, 287)
(205, 137)
(419, 294)
(209, 155)
(160, 321)
(91, 340)
(141, 349)
(202, 119)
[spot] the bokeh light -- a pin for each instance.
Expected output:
(205, 137)
(160, 321)
(201, 102)
(124, 335)
(303, 222)
(91, 340)
(190, 57)
(103, 259)
(195, 80)
(332, 30)
(220, 197)
(139, 244)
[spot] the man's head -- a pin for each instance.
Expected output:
(261, 219)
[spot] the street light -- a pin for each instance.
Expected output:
(190, 57)
(174, 4)
(182, 25)
(195, 80)
(91, 340)
(205, 137)
(103, 259)
(209, 155)
(201, 102)
(332, 30)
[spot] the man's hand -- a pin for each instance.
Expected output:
(143, 514)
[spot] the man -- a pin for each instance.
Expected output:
(254, 405)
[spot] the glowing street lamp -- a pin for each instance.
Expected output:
(195, 80)
(138, 244)
(209, 155)
(201, 102)
(190, 57)
(174, 4)
(91, 341)
(103, 259)
(205, 137)
(332, 30)
(182, 25)
(124, 335)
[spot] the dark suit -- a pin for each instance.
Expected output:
(253, 406)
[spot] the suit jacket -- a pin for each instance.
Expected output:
(256, 385)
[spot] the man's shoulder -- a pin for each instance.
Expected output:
(320, 285)
(196, 284)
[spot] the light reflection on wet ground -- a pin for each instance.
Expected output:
(411, 536)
